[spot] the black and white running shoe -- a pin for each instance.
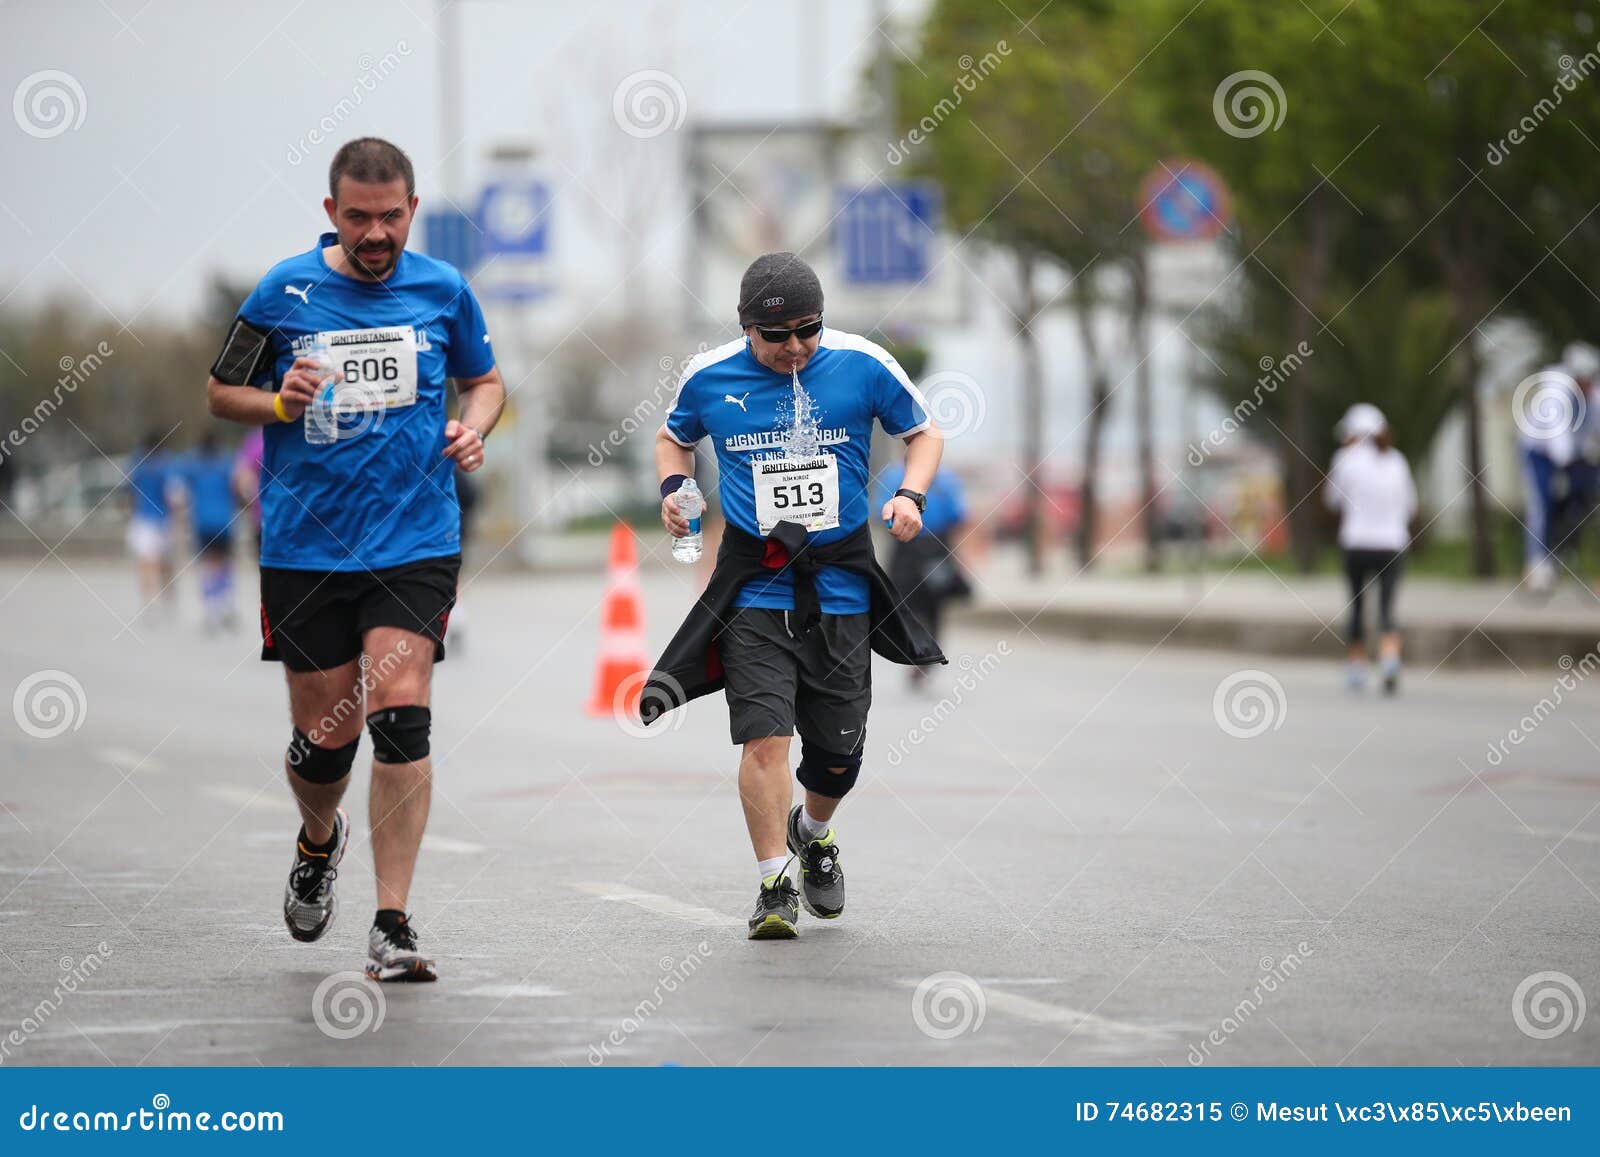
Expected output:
(393, 955)
(308, 900)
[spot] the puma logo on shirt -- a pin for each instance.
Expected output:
(740, 402)
(302, 294)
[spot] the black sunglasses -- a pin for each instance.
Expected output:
(778, 336)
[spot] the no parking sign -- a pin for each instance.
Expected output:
(1184, 201)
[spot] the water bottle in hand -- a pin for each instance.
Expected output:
(691, 505)
(322, 427)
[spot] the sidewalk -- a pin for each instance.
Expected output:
(1454, 623)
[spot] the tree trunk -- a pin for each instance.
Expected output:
(1032, 417)
(1311, 283)
(1139, 319)
(1463, 279)
(1094, 427)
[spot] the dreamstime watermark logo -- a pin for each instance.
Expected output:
(655, 697)
(649, 103)
(1573, 674)
(673, 974)
(1548, 1004)
(1247, 104)
(1573, 73)
(1546, 405)
(49, 703)
(373, 71)
(972, 71)
(49, 103)
(955, 402)
(644, 411)
(973, 672)
(1274, 974)
(1273, 374)
(74, 372)
(948, 1004)
(1249, 703)
(347, 1004)
(73, 973)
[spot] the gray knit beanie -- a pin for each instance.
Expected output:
(778, 287)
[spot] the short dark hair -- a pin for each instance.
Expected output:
(372, 161)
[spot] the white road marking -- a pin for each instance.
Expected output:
(662, 905)
(432, 843)
(1086, 1026)
(508, 991)
(1549, 834)
(128, 760)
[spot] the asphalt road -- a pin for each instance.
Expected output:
(1059, 854)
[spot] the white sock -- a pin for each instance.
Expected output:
(770, 868)
(813, 829)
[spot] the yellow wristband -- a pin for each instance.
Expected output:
(277, 408)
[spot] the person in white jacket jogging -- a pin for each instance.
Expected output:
(1370, 485)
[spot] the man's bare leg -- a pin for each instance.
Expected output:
(400, 675)
(315, 699)
(766, 792)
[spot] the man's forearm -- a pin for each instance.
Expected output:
(923, 452)
(245, 404)
(672, 458)
(482, 405)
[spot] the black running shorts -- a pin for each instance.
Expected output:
(314, 620)
(819, 685)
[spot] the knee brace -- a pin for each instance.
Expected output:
(320, 764)
(400, 734)
(815, 774)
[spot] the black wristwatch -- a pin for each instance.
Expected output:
(920, 499)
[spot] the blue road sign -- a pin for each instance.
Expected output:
(883, 234)
(451, 236)
(515, 218)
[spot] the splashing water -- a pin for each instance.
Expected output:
(803, 437)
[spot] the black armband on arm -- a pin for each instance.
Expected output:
(246, 352)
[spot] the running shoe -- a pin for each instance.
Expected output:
(777, 911)
(821, 877)
(308, 900)
(394, 956)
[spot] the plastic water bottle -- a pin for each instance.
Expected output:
(691, 505)
(322, 426)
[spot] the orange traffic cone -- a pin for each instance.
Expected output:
(623, 664)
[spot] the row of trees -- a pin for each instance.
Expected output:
(1401, 174)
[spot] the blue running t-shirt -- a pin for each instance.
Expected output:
(209, 480)
(801, 456)
(386, 495)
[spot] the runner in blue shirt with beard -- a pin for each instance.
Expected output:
(360, 540)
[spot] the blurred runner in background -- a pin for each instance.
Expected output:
(150, 522)
(1557, 481)
(927, 570)
(206, 476)
(247, 482)
(1370, 485)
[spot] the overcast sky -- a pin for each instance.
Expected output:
(153, 143)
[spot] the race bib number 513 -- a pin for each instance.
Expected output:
(379, 368)
(802, 490)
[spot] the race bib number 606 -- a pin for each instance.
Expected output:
(378, 368)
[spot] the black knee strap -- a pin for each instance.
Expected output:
(320, 764)
(815, 774)
(400, 734)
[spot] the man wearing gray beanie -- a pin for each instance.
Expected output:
(797, 604)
